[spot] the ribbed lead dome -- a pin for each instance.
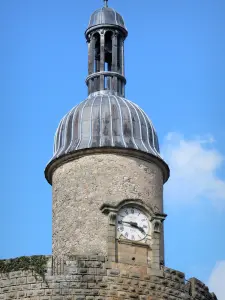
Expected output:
(106, 15)
(105, 120)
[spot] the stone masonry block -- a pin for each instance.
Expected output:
(21, 280)
(88, 278)
(103, 292)
(56, 292)
(15, 274)
(79, 297)
(31, 279)
(134, 275)
(48, 292)
(91, 292)
(113, 272)
(11, 296)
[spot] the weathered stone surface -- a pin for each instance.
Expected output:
(81, 186)
(116, 284)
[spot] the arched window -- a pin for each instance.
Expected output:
(97, 52)
(108, 59)
(108, 51)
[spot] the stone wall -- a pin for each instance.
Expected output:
(93, 278)
(81, 186)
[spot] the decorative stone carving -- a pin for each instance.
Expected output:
(157, 226)
(112, 218)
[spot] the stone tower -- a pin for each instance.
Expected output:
(107, 180)
(106, 173)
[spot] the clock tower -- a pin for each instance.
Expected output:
(107, 174)
(107, 179)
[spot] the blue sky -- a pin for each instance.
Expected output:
(175, 69)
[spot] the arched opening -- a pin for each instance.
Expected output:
(97, 52)
(157, 227)
(108, 51)
(108, 59)
(96, 81)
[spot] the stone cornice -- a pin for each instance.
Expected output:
(54, 164)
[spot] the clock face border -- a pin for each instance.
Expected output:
(137, 223)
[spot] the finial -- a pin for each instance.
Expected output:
(106, 3)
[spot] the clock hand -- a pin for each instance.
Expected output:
(141, 229)
(131, 223)
(134, 224)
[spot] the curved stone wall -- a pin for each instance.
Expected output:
(81, 186)
(93, 278)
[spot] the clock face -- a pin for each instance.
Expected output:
(132, 223)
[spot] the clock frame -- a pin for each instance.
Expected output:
(121, 249)
(133, 224)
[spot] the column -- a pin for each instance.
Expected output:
(122, 56)
(114, 59)
(112, 237)
(91, 58)
(102, 58)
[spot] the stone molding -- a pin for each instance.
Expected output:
(106, 27)
(54, 164)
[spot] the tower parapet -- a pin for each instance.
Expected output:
(93, 278)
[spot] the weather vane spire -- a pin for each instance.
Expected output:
(106, 3)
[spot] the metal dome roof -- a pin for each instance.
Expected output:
(106, 15)
(105, 120)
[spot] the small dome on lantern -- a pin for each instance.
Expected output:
(106, 16)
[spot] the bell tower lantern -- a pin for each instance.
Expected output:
(105, 36)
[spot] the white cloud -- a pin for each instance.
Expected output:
(217, 280)
(193, 164)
